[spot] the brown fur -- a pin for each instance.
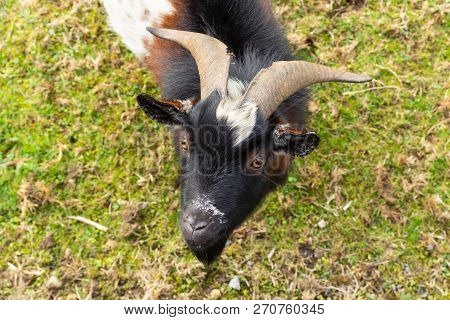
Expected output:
(179, 104)
(160, 50)
(277, 166)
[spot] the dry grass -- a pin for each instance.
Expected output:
(365, 217)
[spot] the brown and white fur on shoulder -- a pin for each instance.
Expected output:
(235, 98)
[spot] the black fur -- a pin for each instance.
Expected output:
(215, 172)
(160, 111)
(220, 186)
(215, 169)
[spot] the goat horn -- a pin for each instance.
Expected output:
(273, 85)
(210, 54)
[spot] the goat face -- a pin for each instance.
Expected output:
(224, 175)
(227, 141)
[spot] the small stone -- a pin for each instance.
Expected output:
(215, 294)
(318, 254)
(143, 205)
(235, 283)
(71, 296)
(322, 224)
(54, 283)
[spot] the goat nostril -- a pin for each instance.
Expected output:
(196, 224)
(199, 225)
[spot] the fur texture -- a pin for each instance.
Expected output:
(129, 18)
(230, 156)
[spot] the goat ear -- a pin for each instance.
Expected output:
(166, 111)
(294, 142)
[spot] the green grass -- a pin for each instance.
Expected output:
(73, 142)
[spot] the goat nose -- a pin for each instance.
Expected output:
(197, 223)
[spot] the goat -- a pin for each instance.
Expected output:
(234, 97)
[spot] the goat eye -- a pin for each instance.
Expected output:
(257, 163)
(185, 144)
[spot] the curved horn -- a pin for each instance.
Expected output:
(273, 85)
(210, 54)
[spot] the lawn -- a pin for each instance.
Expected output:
(366, 216)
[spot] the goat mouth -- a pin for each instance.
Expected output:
(209, 252)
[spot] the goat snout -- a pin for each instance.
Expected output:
(199, 226)
(196, 223)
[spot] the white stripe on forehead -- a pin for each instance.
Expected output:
(242, 118)
(205, 204)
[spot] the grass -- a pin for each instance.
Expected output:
(73, 143)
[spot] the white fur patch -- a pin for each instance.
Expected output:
(242, 118)
(206, 205)
(129, 18)
(187, 104)
(235, 88)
